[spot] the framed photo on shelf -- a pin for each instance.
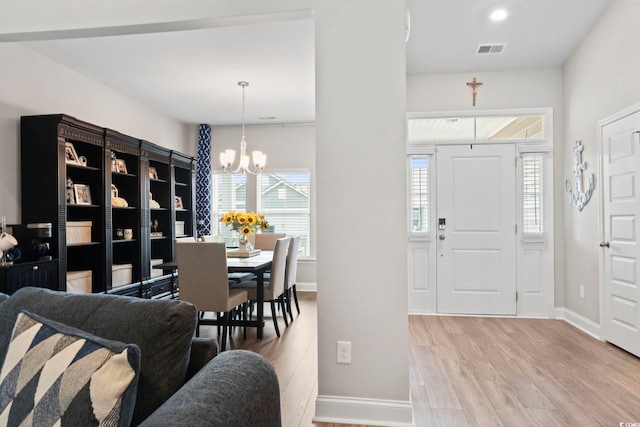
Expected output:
(153, 173)
(121, 166)
(82, 194)
(70, 155)
(179, 203)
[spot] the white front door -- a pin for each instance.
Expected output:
(476, 229)
(620, 185)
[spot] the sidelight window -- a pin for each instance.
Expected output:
(419, 193)
(533, 193)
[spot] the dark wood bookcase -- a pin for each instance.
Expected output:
(114, 163)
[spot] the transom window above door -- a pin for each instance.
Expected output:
(481, 128)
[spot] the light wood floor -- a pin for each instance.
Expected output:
(469, 371)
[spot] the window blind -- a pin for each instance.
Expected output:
(229, 194)
(284, 199)
(533, 193)
(419, 193)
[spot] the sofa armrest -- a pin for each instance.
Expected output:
(3, 296)
(236, 388)
(202, 351)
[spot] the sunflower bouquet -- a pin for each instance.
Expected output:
(245, 223)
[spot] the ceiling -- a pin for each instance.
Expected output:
(445, 34)
(192, 75)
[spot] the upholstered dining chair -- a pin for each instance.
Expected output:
(203, 281)
(274, 289)
(267, 241)
(290, 275)
(238, 277)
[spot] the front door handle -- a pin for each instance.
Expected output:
(441, 237)
(604, 244)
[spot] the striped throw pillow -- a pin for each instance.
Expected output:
(54, 374)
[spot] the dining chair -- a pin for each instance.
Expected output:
(267, 241)
(290, 275)
(203, 281)
(238, 277)
(274, 289)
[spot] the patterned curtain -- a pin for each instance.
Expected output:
(203, 181)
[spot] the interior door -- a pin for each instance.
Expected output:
(476, 229)
(621, 162)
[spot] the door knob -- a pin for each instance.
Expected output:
(441, 237)
(604, 244)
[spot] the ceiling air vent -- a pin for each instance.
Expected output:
(490, 49)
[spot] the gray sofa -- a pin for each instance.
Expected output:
(182, 381)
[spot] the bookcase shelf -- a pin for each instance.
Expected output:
(105, 163)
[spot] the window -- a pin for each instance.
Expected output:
(284, 199)
(419, 193)
(483, 128)
(229, 194)
(533, 193)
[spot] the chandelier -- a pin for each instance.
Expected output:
(227, 157)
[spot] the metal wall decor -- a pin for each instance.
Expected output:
(581, 195)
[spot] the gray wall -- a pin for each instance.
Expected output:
(351, 39)
(287, 146)
(528, 88)
(33, 84)
(360, 138)
(600, 79)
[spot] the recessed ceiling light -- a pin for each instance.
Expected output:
(499, 14)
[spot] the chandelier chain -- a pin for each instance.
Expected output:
(243, 84)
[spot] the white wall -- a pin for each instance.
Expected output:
(32, 84)
(600, 79)
(528, 88)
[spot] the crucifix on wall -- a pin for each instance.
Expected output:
(474, 84)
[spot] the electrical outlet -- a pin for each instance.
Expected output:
(581, 291)
(344, 352)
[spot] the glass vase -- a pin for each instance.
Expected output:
(244, 245)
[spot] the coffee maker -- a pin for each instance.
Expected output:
(34, 240)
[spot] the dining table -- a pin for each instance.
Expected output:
(256, 265)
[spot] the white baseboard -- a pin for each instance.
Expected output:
(349, 410)
(587, 326)
(307, 287)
